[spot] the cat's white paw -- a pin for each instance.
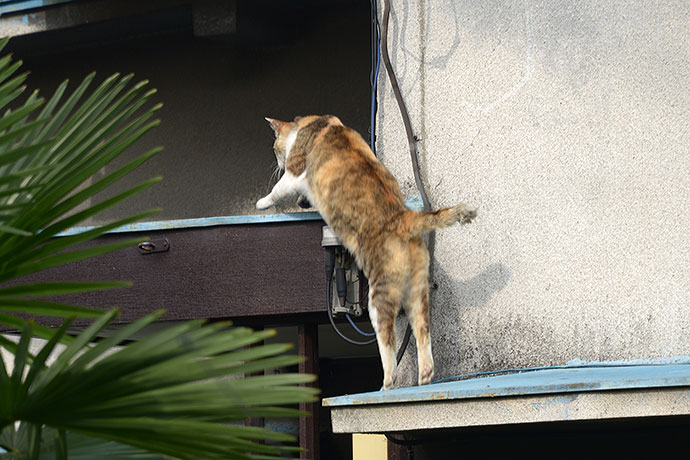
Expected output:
(264, 203)
(425, 374)
(389, 381)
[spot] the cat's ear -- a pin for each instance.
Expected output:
(275, 124)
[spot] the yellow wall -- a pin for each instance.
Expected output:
(369, 447)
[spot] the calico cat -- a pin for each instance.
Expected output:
(335, 170)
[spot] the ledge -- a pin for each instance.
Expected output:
(204, 222)
(544, 395)
(414, 203)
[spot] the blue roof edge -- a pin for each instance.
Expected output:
(555, 380)
(16, 6)
(413, 203)
(203, 222)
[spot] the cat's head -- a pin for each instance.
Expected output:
(282, 130)
(286, 133)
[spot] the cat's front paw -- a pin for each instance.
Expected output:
(264, 203)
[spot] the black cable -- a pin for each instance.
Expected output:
(419, 441)
(329, 301)
(403, 345)
(411, 140)
(374, 74)
(402, 442)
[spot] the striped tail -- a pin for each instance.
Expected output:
(418, 223)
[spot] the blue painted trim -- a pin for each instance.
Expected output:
(414, 203)
(14, 6)
(288, 426)
(204, 222)
(544, 381)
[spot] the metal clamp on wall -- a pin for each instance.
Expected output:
(154, 246)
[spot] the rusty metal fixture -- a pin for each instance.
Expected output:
(153, 246)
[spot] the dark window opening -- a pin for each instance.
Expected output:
(282, 59)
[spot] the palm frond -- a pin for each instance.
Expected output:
(49, 150)
(166, 393)
(180, 392)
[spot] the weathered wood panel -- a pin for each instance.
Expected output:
(251, 272)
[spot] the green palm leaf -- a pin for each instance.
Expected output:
(48, 150)
(172, 406)
(180, 392)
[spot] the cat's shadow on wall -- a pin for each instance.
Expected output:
(475, 292)
(452, 296)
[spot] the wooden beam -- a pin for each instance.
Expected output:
(397, 452)
(308, 346)
(60, 14)
(256, 270)
(255, 421)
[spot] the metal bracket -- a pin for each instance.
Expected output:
(153, 246)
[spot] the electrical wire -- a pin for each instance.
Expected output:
(403, 345)
(374, 87)
(374, 36)
(403, 442)
(349, 318)
(359, 331)
(374, 74)
(352, 283)
(329, 300)
(411, 140)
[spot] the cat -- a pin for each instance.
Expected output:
(333, 168)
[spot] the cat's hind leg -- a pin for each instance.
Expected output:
(417, 311)
(383, 307)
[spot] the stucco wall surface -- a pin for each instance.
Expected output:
(567, 124)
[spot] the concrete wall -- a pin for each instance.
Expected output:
(567, 123)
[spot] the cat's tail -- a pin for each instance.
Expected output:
(418, 223)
